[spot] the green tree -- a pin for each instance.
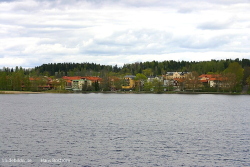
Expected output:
(235, 75)
(235, 68)
(248, 80)
(3, 81)
(85, 86)
(230, 81)
(58, 84)
(26, 83)
(118, 84)
(192, 81)
(17, 78)
(158, 86)
(96, 86)
(148, 86)
(140, 79)
(246, 74)
(105, 84)
(147, 72)
(37, 83)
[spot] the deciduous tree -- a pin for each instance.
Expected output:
(157, 85)
(192, 81)
(140, 79)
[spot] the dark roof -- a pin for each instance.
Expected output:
(151, 76)
(129, 76)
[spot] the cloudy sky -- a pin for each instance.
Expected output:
(33, 32)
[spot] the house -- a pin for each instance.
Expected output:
(68, 81)
(41, 83)
(91, 83)
(113, 83)
(173, 75)
(77, 85)
(178, 81)
(129, 82)
(92, 79)
(175, 79)
(77, 82)
(152, 78)
(168, 82)
(211, 80)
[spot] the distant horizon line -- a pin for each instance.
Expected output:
(239, 59)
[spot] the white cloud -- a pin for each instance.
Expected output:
(33, 32)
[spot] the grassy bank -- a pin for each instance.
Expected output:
(19, 92)
(120, 92)
(58, 91)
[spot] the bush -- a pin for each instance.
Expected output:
(209, 89)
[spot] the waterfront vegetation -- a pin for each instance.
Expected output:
(49, 77)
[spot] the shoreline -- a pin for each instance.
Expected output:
(19, 92)
(120, 92)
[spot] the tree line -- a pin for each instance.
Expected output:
(157, 68)
(19, 78)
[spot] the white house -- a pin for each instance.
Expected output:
(78, 84)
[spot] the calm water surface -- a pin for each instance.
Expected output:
(125, 130)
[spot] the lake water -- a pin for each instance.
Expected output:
(124, 130)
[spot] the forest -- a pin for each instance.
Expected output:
(18, 78)
(157, 68)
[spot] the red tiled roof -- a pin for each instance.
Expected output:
(217, 79)
(211, 77)
(205, 76)
(204, 80)
(32, 79)
(92, 78)
(71, 78)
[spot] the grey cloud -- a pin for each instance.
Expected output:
(185, 10)
(41, 25)
(52, 30)
(131, 42)
(59, 26)
(156, 42)
(201, 43)
(6, 0)
(228, 2)
(136, 3)
(180, 6)
(214, 25)
(32, 6)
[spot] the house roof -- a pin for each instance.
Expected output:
(210, 77)
(204, 80)
(151, 77)
(92, 78)
(69, 79)
(130, 76)
(170, 73)
(180, 73)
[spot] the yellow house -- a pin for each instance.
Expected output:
(173, 75)
(129, 82)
